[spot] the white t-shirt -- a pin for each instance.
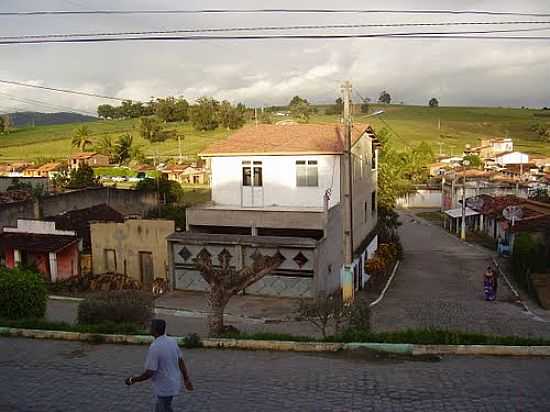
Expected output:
(162, 358)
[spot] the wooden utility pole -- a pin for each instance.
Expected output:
(346, 201)
(347, 204)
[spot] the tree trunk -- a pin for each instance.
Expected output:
(216, 303)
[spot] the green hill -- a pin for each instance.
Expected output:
(412, 124)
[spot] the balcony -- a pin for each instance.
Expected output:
(264, 217)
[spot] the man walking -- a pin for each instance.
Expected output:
(165, 366)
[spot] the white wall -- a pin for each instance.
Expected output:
(279, 181)
(514, 158)
(38, 227)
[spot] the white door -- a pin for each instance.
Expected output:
(252, 191)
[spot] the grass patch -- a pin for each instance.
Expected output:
(412, 336)
(101, 328)
(269, 336)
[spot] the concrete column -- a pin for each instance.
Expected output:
(53, 266)
(481, 228)
(16, 257)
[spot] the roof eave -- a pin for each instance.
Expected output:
(308, 153)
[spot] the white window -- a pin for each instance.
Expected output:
(307, 173)
(252, 173)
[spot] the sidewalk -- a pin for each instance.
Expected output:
(266, 309)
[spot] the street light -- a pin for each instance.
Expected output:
(465, 163)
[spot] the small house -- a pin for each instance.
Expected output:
(53, 252)
(92, 159)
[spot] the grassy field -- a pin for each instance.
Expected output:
(412, 124)
(55, 141)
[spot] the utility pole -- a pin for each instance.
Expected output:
(179, 151)
(440, 148)
(347, 199)
(465, 164)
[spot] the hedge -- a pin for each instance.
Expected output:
(123, 306)
(23, 294)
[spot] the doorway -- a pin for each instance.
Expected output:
(252, 190)
(146, 270)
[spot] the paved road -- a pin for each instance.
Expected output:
(68, 376)
(439, 285)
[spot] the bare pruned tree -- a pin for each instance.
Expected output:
(225, 281)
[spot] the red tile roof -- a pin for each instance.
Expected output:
(83, 155)
(285, 139)
(35, 242)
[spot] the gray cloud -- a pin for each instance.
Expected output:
(459, 72)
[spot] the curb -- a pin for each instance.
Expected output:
(388, 283)
(65, 298)
(290, 346)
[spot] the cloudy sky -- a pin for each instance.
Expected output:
(264, 72)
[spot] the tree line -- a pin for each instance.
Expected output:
(206, 114)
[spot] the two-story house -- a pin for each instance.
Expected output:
(276, 189)
(91, 159)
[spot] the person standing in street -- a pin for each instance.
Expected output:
(489, 285)
(164, 365)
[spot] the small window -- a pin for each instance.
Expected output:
(373, 202)
(365, 212)
(373, 149)
(307, 173)
(247, 176)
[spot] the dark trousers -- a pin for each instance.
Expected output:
(164, 404)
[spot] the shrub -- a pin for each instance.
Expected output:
(375, 266)
(23, 294)
(359, 315)
(192, 341)
(123, 306)
(321, 310)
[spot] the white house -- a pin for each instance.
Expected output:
(276, 188)
(512, 158)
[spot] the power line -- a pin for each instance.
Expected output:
(45, 104)
(272, 11)
(34, 86)
(477, 35)
(272, 28)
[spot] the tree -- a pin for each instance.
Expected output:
(365, 105)
(231, 117)
(170, 192)
(541, 130)
(105, 146)
(81, 138)
(106, 111)
(540, 194)
(1, 125)
(385, 97)
(475, 160)
(204, 114)
(433, 102)
(300, 109)
(391, 166)
(125, 150)
(150, 129)
(225, 281)
(82, 177)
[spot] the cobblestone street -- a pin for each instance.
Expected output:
(67, 376)
(439, 284)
